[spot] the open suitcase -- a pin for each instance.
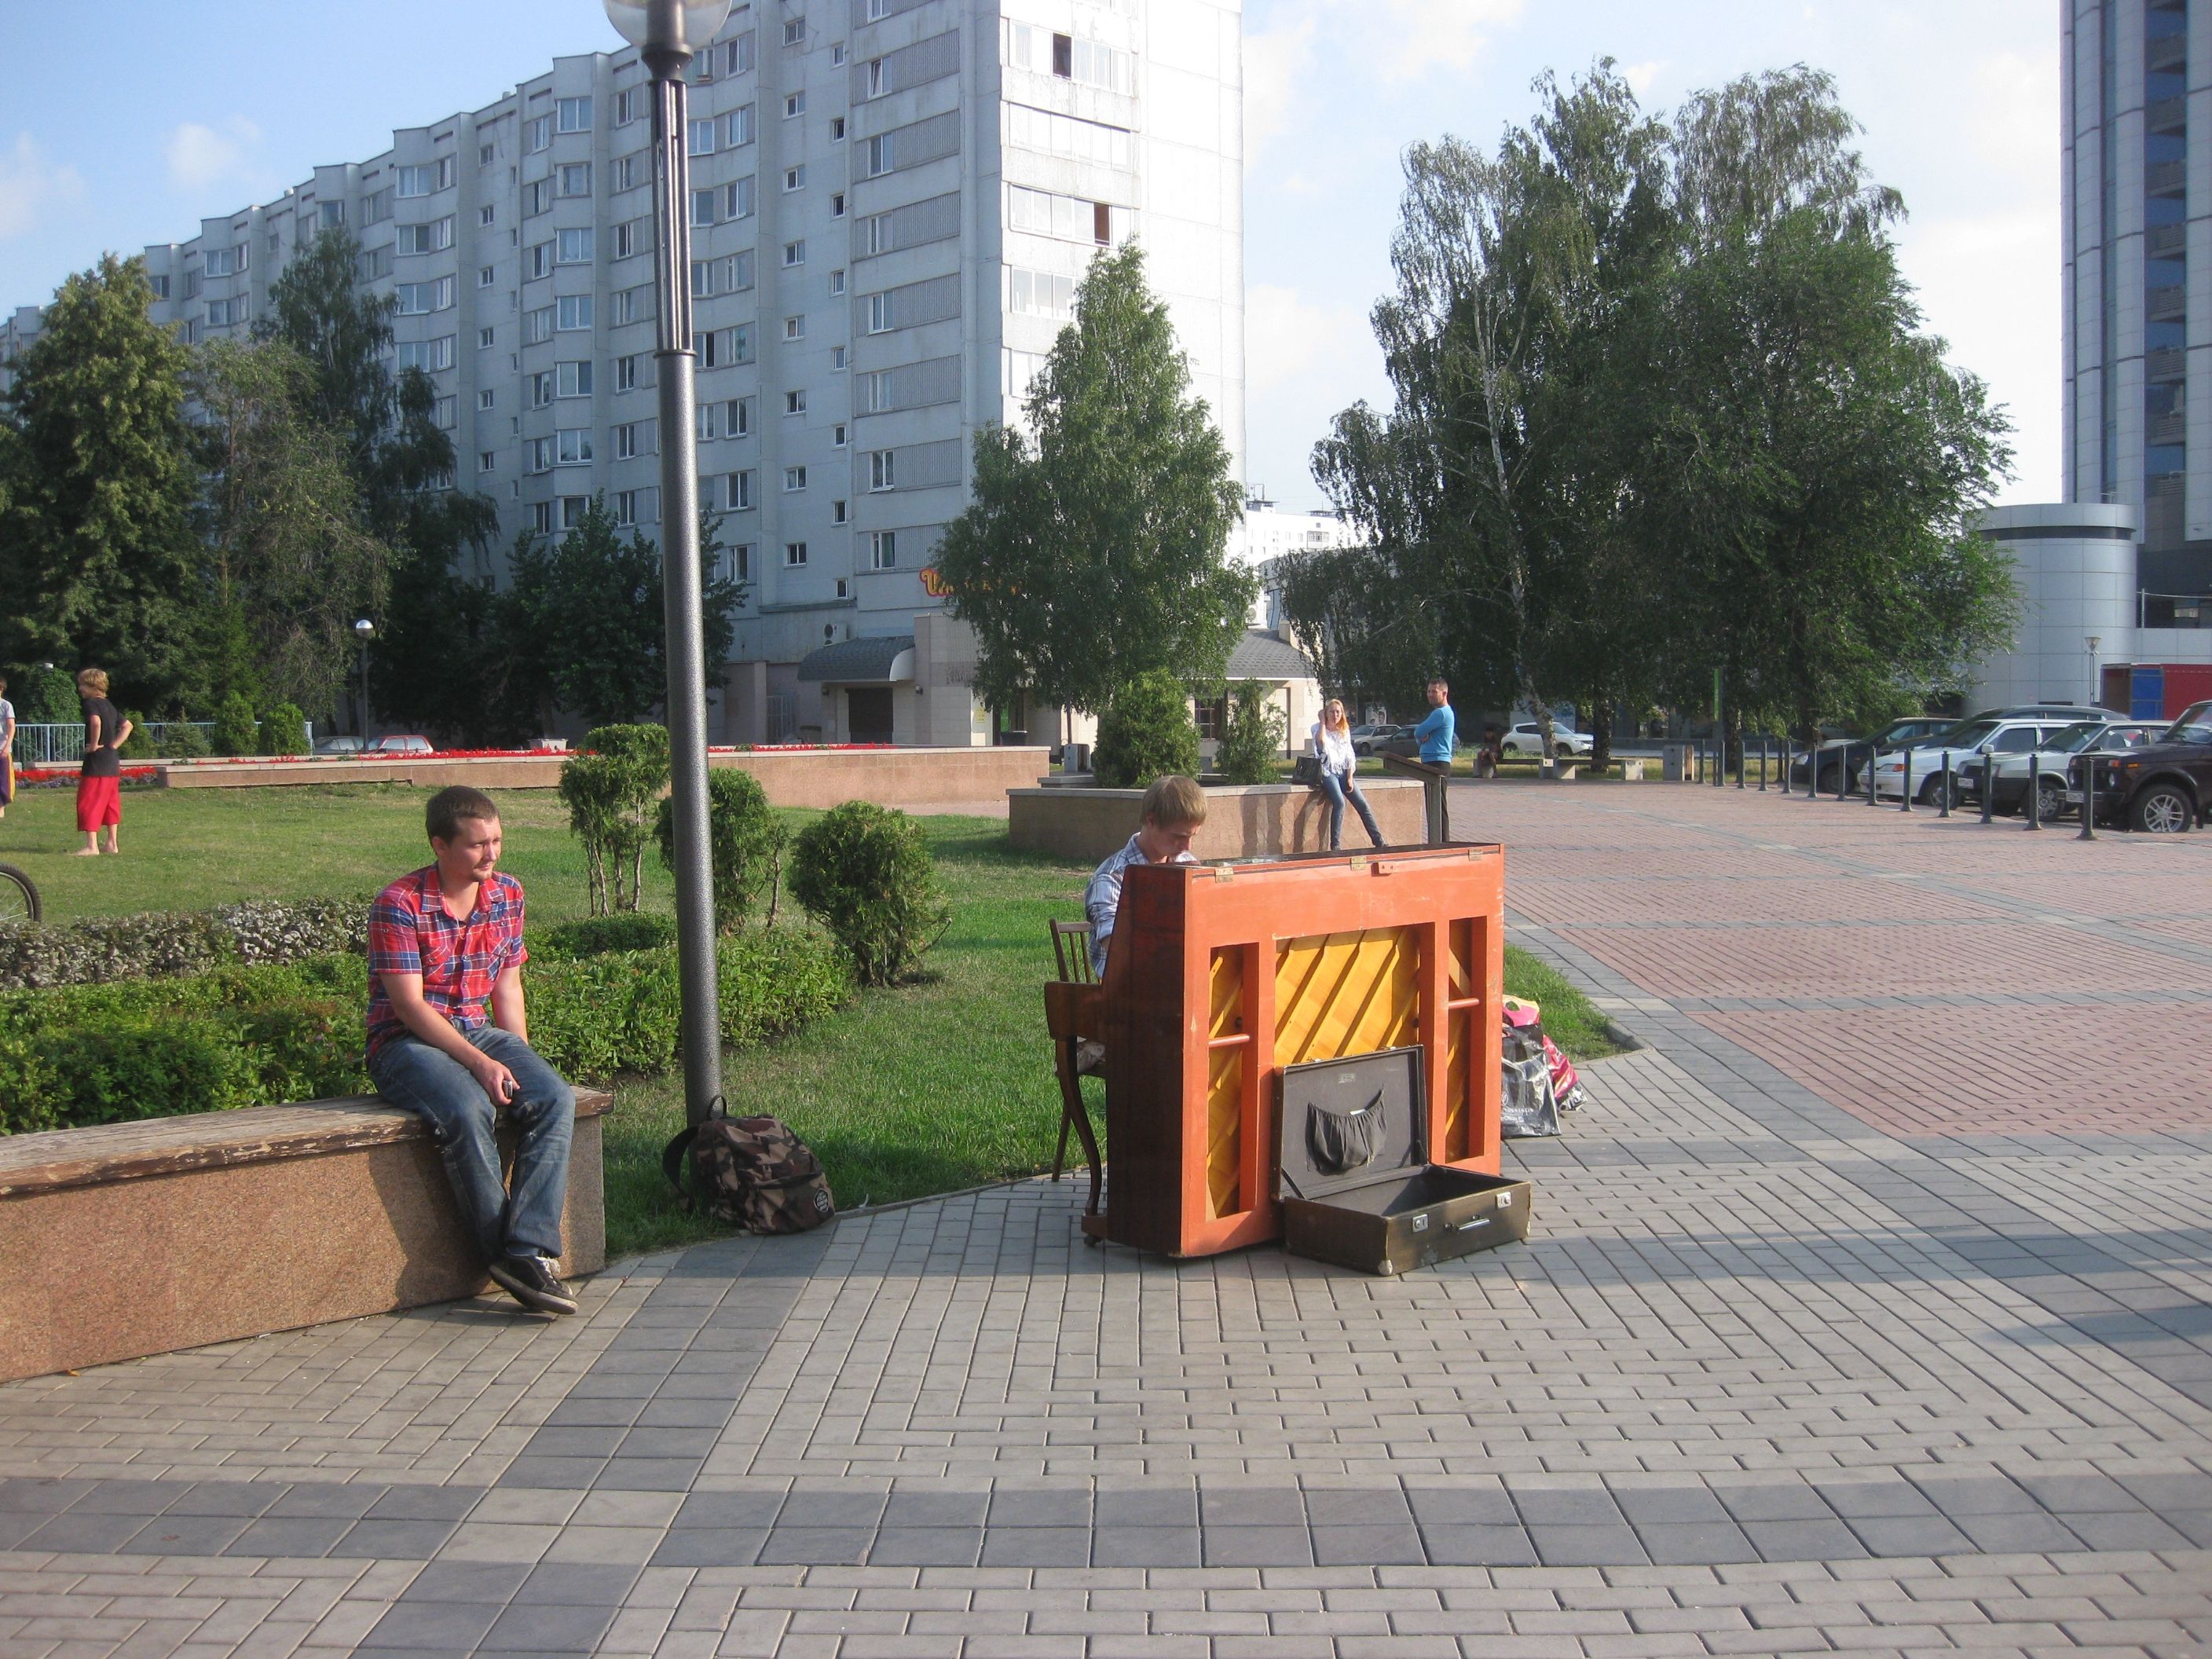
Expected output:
(1357, 1186)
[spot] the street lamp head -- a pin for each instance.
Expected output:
(363, 628)
(668, 25)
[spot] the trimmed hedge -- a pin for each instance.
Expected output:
(592, 936)
(250, 1035)
(166, 943)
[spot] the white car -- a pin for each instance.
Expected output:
(2008, 787)
(1528, 738)
(1966, 743)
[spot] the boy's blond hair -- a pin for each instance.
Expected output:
(93, 678)
(1174, 802)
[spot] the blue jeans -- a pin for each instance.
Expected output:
(461, 1116)
(1336, 789)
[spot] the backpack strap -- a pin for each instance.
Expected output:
(671, 1156)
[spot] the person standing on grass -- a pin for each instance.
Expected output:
(1340, 766)
(7, 750)
(100, 775)
(443, 943)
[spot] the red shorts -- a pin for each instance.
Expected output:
(98, 802)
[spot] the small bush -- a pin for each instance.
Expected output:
(284, 731)
(45, 697)
(182, 740)
(610, 792)
(595, 936)
(745, 841)
(1145, 732)
(862, 872)
(152, 1067)
(236, 732)
(1252, 740)
(139, 745)
(162, 945)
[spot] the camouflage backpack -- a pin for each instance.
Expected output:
(750, 1171)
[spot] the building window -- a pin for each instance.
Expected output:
(487, 276)
(837, 55)
(575, 311)
(794, 555)
(836, 128)
(573, 509)
(708, 414)
(541, 516)
(433, 237)
(738, 198)
(738, 128)
(836, 282)
(837, 359)
(634, 507)
(486, 399)
(538, 453)
(626, 374)
(487, 217)
(329, 216)
(741, 271)
(794, 480)
(879, 155)
(795, 328)
(738, 417)
(741, 561)
(540, 387)
(485, 337)
(537, 261)
(794, 253)
(738, 55)
(875, 77)
(703, 279)
(572, 446)
(838, 435)
(741, 344)
(837, 513)
(794, 32)
(223, 313)
(837, 206)
(537, 197)
(573, 379)
(702, 136)
(629, 105)
(880, 313)
(794, 178)
(630, 239)
(737, 491)
(794, 403)
(424, 180)
(420, 299)
(576, 246)
(486, 155)
(881, 469)
(703, 348)
(571, 115)
(487, 460)
(882, 550)
(634, 439)
(575, 177)
(537, 135)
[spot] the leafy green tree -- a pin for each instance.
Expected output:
(1093, 550)
(1145, 732)
(1252, 737)
(609, 790)
(236, 732)
(585, 618)
(284, 731)
(290, 565)
(745, 841)
(43, 696)
(96, 549)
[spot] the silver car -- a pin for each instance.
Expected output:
(2009, 784)
(1966, 743)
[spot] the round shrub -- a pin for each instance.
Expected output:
(139, 745)
(284, 731)
(862, 870)
(1145, 732)
(596, 936)
(745, 840)
(234, 726)
(45, 697)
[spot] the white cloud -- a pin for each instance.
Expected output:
(29, 183)
(1642, 77)
(1274, 61)
(200, 156)
(1433, 35)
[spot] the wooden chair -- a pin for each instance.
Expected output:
(1070, 1017)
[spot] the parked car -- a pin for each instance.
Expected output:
(1849, 753)
(1527, 737)
(1966, 743)
(1365, 737)
(402, 743)
(2008, 787)
(1400, 740)
(340, 746)
(2163, 788)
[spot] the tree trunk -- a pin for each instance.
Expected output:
(1600, 737)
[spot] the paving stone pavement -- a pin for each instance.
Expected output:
(1777, 1372)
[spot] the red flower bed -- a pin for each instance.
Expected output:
(52, 774)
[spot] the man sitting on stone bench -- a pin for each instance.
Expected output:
(443, 942)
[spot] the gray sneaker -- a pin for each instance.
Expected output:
(529, 1281)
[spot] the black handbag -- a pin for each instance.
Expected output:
(1306, 769)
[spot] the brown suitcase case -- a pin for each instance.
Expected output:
(1357, 1186)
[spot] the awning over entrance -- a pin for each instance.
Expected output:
(861, 662)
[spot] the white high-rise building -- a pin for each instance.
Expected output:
(891, 204)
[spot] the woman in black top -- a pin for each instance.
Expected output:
(100, 777)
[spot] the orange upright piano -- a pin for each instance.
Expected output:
(1225, 983)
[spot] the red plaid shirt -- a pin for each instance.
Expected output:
(410, 932)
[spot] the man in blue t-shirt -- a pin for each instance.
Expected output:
(1435, 734)
(1438, 730)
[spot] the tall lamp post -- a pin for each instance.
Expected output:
(666, 33)
(364, 630)
(2096, 679)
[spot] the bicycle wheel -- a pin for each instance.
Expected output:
(18, 897)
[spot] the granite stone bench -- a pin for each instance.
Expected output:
(128, 1239)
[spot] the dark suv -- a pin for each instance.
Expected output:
(2164, 788)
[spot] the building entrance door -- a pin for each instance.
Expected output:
(868, 714)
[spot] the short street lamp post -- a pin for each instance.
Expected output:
(667, 32)
(364, 630)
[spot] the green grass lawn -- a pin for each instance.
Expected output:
(926, 1088)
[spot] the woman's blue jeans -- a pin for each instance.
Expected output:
(461, 1118)
(1336, 789)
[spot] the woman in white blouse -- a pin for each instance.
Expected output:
(1332, 741)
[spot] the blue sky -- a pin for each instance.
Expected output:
(198, 109)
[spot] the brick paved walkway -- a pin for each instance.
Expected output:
(1773, 1374)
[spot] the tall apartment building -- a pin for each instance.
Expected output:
(891, 202)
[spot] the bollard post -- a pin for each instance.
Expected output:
(1873, 798)
(1988, 784)
(1944, 784)
(1843, 771)
(1786, 746)
(1762, 762)
(1907, 806)
(1742, 754)
(2088, 796)
(2035, 789)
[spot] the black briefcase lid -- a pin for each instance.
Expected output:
(1349, 1123)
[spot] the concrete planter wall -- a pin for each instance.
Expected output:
(1242, 821)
